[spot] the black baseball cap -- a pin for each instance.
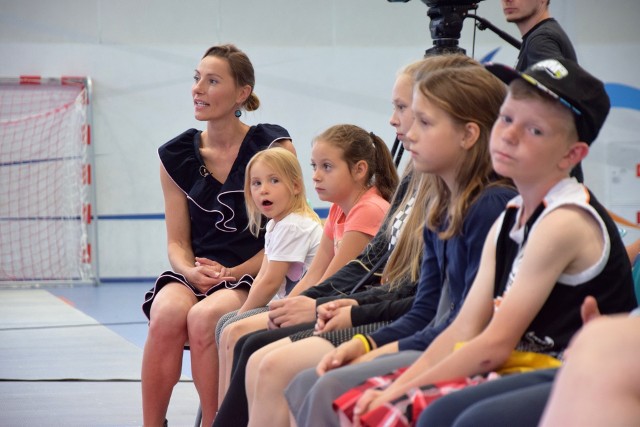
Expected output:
(564, 80)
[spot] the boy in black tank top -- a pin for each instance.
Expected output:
(554, 245)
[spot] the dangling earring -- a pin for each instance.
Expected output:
(238, 113)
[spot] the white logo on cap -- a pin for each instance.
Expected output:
(554, 68)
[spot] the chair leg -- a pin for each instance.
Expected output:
(198, 417)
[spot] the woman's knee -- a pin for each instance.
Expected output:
(168, 319)
(201, 324)
(172, 303)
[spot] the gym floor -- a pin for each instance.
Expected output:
(71, 356)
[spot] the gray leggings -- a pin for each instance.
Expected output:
(310, 397)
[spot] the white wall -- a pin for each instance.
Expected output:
(317, 63)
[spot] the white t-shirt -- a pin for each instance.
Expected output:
(293, 239)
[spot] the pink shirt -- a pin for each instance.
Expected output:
(366, 217)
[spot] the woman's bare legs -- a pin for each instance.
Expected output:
(269, 371)
(201, 326)
(228, 339)
(162, 356)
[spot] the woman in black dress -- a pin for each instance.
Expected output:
(213, 255)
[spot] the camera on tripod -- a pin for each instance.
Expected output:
(446, 17)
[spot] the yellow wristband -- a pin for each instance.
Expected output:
(365, 342)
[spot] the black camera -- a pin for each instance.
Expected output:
(446, 17)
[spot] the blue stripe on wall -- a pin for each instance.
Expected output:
(107, 280)
(623, 96)
(322, 213)
(131, 217)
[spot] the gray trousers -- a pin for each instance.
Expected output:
(310, 397)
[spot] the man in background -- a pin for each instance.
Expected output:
(542, 38)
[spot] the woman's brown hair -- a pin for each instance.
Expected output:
(241, 70)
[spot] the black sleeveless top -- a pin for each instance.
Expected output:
(559, 318)
(217, 210)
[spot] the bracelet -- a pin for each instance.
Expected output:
(372, 343)
(365, 342)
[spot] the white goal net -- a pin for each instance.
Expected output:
(46, 225)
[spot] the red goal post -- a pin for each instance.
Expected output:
(47, 196)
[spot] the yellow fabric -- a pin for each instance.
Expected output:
(364, 340)
(524, 361)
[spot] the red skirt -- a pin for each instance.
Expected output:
(403, 412)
